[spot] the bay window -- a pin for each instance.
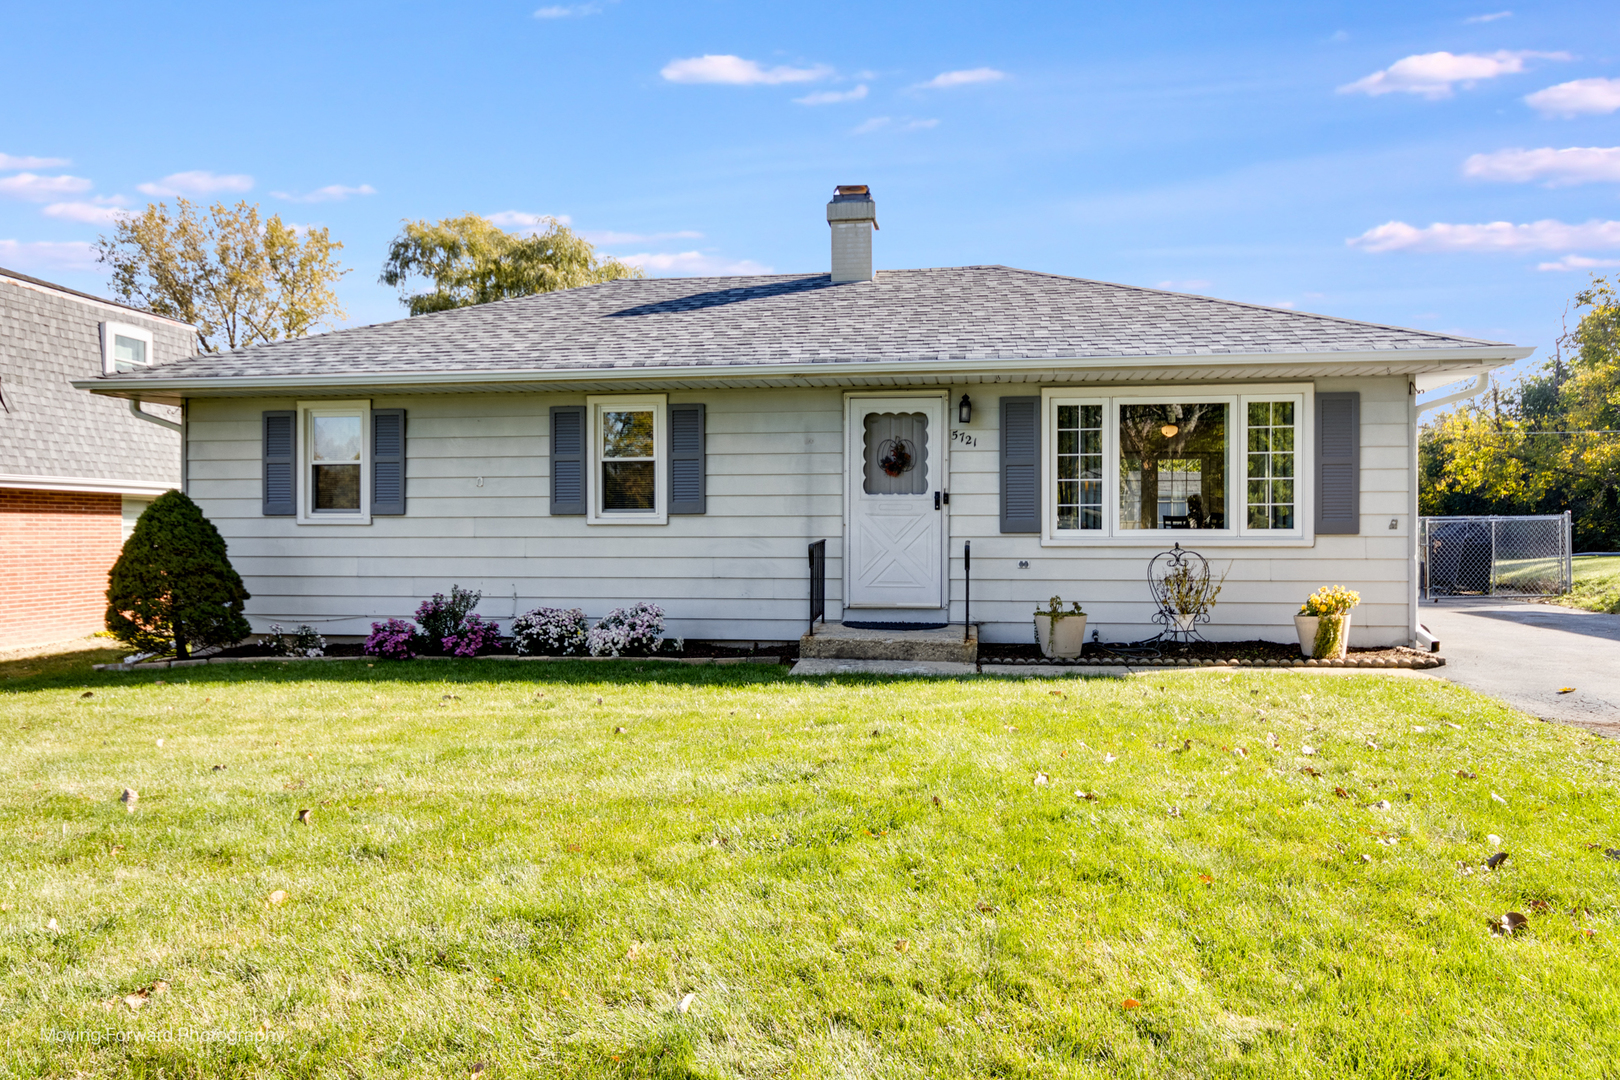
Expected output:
(1222, 462)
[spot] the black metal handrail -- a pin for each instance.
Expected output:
(818, 583)
(967, 591)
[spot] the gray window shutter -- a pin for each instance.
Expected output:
(686, 464)
(1338, 463)
(280, 463)
(387, 461)
(567, 459)
(1020, 464)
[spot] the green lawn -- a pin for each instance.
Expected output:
(841, 878)
(1597, 584)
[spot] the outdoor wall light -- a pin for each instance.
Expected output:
(964, 410)
(1169, 431)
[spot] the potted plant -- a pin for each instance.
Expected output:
(1189, 592)
(1323, 622)
(1062, 634)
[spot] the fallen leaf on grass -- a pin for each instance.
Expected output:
(686, 1003)
(618, 731)
(1308, 771)
(937, 802)
(1271, 740)
(1464, 869)
(1464, 774)
(304, 816)
(1130, 1003)
(1611, 853)
(277, 897)
(52, 927)
(1041, 779)
(1088, 796)
(1205, 879)
(1109, 759)
(1341, 793)
(985, 907)
(1240, 751)
(1498, 799)
(1496, 860)
(1308, 751)
(129, 798)
(218, 768)
(1566, 689)
(1059, 693)
(903, 945)
(1175, 811)
(88, 693)
(1507, 924)
(1539, 906)
(1365, 857)
(1381, 804)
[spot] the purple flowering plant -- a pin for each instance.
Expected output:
(473, 636)
(392, 640)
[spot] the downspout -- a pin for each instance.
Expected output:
(135, 410)
(1420, 635)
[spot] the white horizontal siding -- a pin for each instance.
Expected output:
(775, 484)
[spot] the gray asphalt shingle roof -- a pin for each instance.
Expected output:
(956, 313)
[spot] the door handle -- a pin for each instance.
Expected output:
(936, 500)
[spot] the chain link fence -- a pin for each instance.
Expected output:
(1492, 556)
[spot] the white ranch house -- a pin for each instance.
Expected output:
(683, 441)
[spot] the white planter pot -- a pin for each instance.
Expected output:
(1306, 625)
(1184, 623)
(1062, 638)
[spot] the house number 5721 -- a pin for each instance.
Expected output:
(964, 438)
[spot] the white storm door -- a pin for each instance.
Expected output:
(896, 456)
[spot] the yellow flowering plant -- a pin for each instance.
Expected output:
(1330, 600)
(1331, 604)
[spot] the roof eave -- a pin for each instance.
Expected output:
(1471, 358)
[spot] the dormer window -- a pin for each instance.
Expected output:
(124, 348)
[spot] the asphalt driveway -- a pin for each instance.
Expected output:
(1524, 653)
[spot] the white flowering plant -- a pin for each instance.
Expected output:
(636, 629)
(549, 632)
(303, 642)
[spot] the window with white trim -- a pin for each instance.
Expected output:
(335, 482)
(629, 460)
(1204, 459)
(124, 347)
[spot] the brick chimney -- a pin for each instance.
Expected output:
(852, 215)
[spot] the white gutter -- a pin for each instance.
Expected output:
(135, 410)
(85, 484)
(1479, 386)
(1396, 360)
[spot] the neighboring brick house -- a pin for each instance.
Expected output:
(75, 470)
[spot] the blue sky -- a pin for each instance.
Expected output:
(1447, 166)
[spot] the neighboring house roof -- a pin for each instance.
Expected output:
(55, 437)
(798, 321)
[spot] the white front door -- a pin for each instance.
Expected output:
(896, 455)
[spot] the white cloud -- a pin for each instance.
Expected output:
(102, 211)
(1559, 168)
(881, 123)
(196, 182)
(692, 264)
(1546, 235)
(329, 193)
(47, 255)
(567, 11)
(1597, 96)
(1433, 74)
(735, 71)
(1183, 286)
(832, 97)
(42, 188)
(1578, 262)
(9, 162)
(524, 221)
(947, 79)
(1492, 17)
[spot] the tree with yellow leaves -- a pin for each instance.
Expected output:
(238, 279)
(470, 260)
(1547, 444)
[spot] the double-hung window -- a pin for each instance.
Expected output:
(629, 460)
(336, 485)
(1207, 460)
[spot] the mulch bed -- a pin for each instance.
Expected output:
(1202, 653)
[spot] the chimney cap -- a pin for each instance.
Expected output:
(852, 193)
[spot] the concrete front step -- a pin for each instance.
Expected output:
(835, 641)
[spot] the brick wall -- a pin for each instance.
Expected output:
(55, 550)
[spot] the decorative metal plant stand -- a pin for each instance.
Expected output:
(1190, 567)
